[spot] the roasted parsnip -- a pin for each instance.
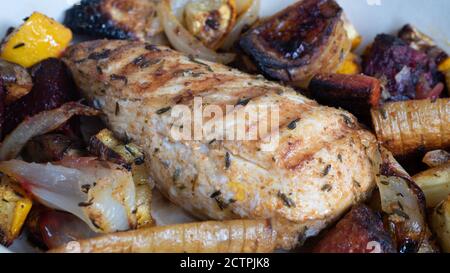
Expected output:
(441, 224)
(409, 126)
(238, 236)
(435, 183)
(436, 158)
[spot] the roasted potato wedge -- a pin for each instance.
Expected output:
(435, 183)
(297, 43)
(407, 127)
(210, 20)
(14, 208)
(441, 224)
(39, 38)
(436, 158)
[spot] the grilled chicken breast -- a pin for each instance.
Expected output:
(324, 162)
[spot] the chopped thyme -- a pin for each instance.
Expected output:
(288, 202)
(293, 124)
(163, 110)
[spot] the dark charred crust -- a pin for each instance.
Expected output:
(89, 18)
(355, 232)
(354, 93)
(115, 77)
(306, 27)
(96, 56)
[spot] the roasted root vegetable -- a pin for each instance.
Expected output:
(53, 86)
(16, 79)
(350, 66)
(436, 158)
(360, 231)
(107, 147)
(441, 224)
(238, 236)
(420, 41)
(100, 193)
(39, 38)
(210, 20)
(14, 208)
(116, 19)
(355, 93)
(51, 147)
(50, 228)
(435, 183)
(411, 126)
(403, 204)
(304, 39)
(405, 73)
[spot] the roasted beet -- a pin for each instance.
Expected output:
(51, 228)
(51, 147)
(53, 86)
(404, 72)
(360, 231)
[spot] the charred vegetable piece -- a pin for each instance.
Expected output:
(52, 228)
(304, 39)
(53, 86)
(436, 158)
(210, 20)
(238, 236)
(405, 73)
(435, 183)
(39, 38)
(403, 204)
(100, 193)
(441, 224)
(360, 231)
(16, 79)
(413, 126)
(115, 19)
(107, 147)
(420, 41)
(2, 106)
(355, 93)
(41, 124)
(447, 79)
(51, 147)
(14, 208)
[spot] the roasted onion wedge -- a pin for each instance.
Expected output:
(306, 38)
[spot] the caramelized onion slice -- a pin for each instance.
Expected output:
(183, 41)
(40, 124)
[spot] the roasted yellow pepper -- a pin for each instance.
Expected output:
(39, 38)
(350, 66)
(14, 209)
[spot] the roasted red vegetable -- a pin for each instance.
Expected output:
(404, 72)
(51, 228)
(51, 147)
(53, 86)
(2, 105)
(360, 231)
(355, 93)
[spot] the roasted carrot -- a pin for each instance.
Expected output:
(409, 126)
(237, 236)
(355, 93)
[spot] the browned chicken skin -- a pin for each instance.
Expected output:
(324, 162)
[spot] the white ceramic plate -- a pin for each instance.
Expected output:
(369, 16)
